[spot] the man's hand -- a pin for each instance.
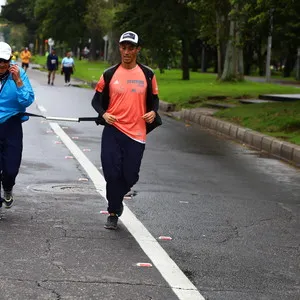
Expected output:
(109, 119)
(149, 117)
(15, 72)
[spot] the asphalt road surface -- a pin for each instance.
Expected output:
(232, 215)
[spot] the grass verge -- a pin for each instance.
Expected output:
(281, 120)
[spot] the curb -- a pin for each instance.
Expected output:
(277, 148)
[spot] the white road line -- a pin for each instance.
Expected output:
(180, 284)
(41, 108)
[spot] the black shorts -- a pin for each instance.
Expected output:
(26, 65)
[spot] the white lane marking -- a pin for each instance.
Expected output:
(180, 284)
(41, 108)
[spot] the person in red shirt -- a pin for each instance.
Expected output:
(127, 104)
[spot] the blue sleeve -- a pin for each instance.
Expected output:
(25, 93)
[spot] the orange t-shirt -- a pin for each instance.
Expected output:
(127, 92)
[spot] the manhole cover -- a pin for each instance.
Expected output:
(63, 188)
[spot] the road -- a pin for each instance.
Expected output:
(233, 215)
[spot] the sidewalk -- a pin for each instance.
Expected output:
(274, 80)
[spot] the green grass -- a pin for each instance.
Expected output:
(201, 86)
(185, 93)
(84, 70)
(281, 120)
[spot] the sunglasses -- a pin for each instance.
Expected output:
(4, 60)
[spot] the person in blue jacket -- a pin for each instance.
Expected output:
(15, 95)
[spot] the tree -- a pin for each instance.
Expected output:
(163, 25)
(62, 27)
(20, 12)
(98, 19)
(234, 64)
(213, 29)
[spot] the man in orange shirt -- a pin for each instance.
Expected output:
(25, 58)
(127, 101)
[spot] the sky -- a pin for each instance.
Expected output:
(2, 2)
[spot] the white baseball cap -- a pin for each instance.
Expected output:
(5, 51)
(129, 36)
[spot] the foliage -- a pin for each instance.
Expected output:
(62, 20)
(172, 31)
(164, 33)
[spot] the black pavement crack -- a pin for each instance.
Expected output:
(58, 296)
(86, 282)
(259, 222)
(60, 267)
(48, 249)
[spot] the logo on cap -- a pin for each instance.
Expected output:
(129, 36)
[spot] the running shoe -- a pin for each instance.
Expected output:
(112, 222)
(8, 199)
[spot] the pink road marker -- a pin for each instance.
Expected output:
(86, 150)
(165, 238)
(145, 265)
(127, 198)
(104, 212)
(57, 142)
(83, 179)
(69, 157)
(74, 137)
(49, 131)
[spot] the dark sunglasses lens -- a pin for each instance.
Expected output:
(3, 60)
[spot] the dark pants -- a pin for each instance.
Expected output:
(121, 159)
(67, 71)
(11, 146)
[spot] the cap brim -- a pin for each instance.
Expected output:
(130, 42)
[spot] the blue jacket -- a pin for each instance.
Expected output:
(13, 99)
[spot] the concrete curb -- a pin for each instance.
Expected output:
(277, 148)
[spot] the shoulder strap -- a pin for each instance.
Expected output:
(107, 76)
(147, 71)
(108, 73)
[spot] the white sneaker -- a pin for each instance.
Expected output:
(65, 84)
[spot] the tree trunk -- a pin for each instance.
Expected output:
(248, 59)
(289, 65)
(203, 59)
(230, 62)
(219, 54)
(240, 57)
(113, 49)
(185, 58)
(234, 63)
(260, 61)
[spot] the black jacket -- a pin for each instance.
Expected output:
(100, 101)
